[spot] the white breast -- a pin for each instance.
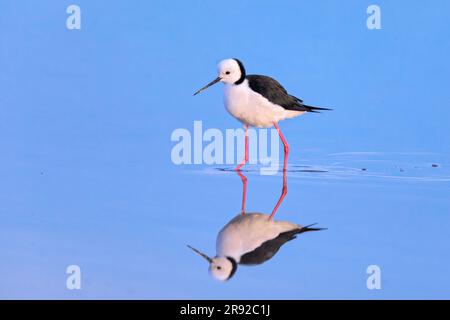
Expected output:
(245, 233)
(253, 109)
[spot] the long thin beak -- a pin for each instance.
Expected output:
(208, 85)
(201, 254)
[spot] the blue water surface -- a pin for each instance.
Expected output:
(86, 118)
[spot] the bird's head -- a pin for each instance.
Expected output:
(220, 268)
(230, 71)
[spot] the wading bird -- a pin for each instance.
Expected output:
(257, 101)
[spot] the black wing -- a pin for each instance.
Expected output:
(269, 248)
(273, 91)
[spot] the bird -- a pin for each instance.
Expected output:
(257, 101)
(249, 239)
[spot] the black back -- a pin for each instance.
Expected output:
(269, 248)
(273, 91)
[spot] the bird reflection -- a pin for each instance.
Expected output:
(250, 238)
(244, 192)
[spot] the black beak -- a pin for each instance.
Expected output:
(209, 85)
(200, 254)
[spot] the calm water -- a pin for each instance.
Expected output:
(395, 219)
(86, 176)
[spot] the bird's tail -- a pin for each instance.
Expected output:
(308, 228)
(315, 109)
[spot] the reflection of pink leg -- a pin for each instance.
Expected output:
(286, 146)
(244, 161)
(283, 194)
(244, 191)
(286, 154)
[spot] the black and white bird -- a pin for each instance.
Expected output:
(249, 239)
(257, 101)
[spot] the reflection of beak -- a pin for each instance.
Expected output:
(201, 254)
(209, 85)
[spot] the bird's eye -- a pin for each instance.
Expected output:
(228, 72)
(219, 268)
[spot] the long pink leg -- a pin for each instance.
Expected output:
(244, 191)
(244, 161)
(286, 146)
(284, 190)
(243, 178)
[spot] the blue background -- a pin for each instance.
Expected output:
(86, 176)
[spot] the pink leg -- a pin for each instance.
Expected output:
(286, 146)
(286, 154)
(244, 161)
(244, 191)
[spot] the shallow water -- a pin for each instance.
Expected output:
(376, 207)
(87, 179)
(382, 216)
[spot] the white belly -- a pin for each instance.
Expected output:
(253, 109)
(245, 233)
